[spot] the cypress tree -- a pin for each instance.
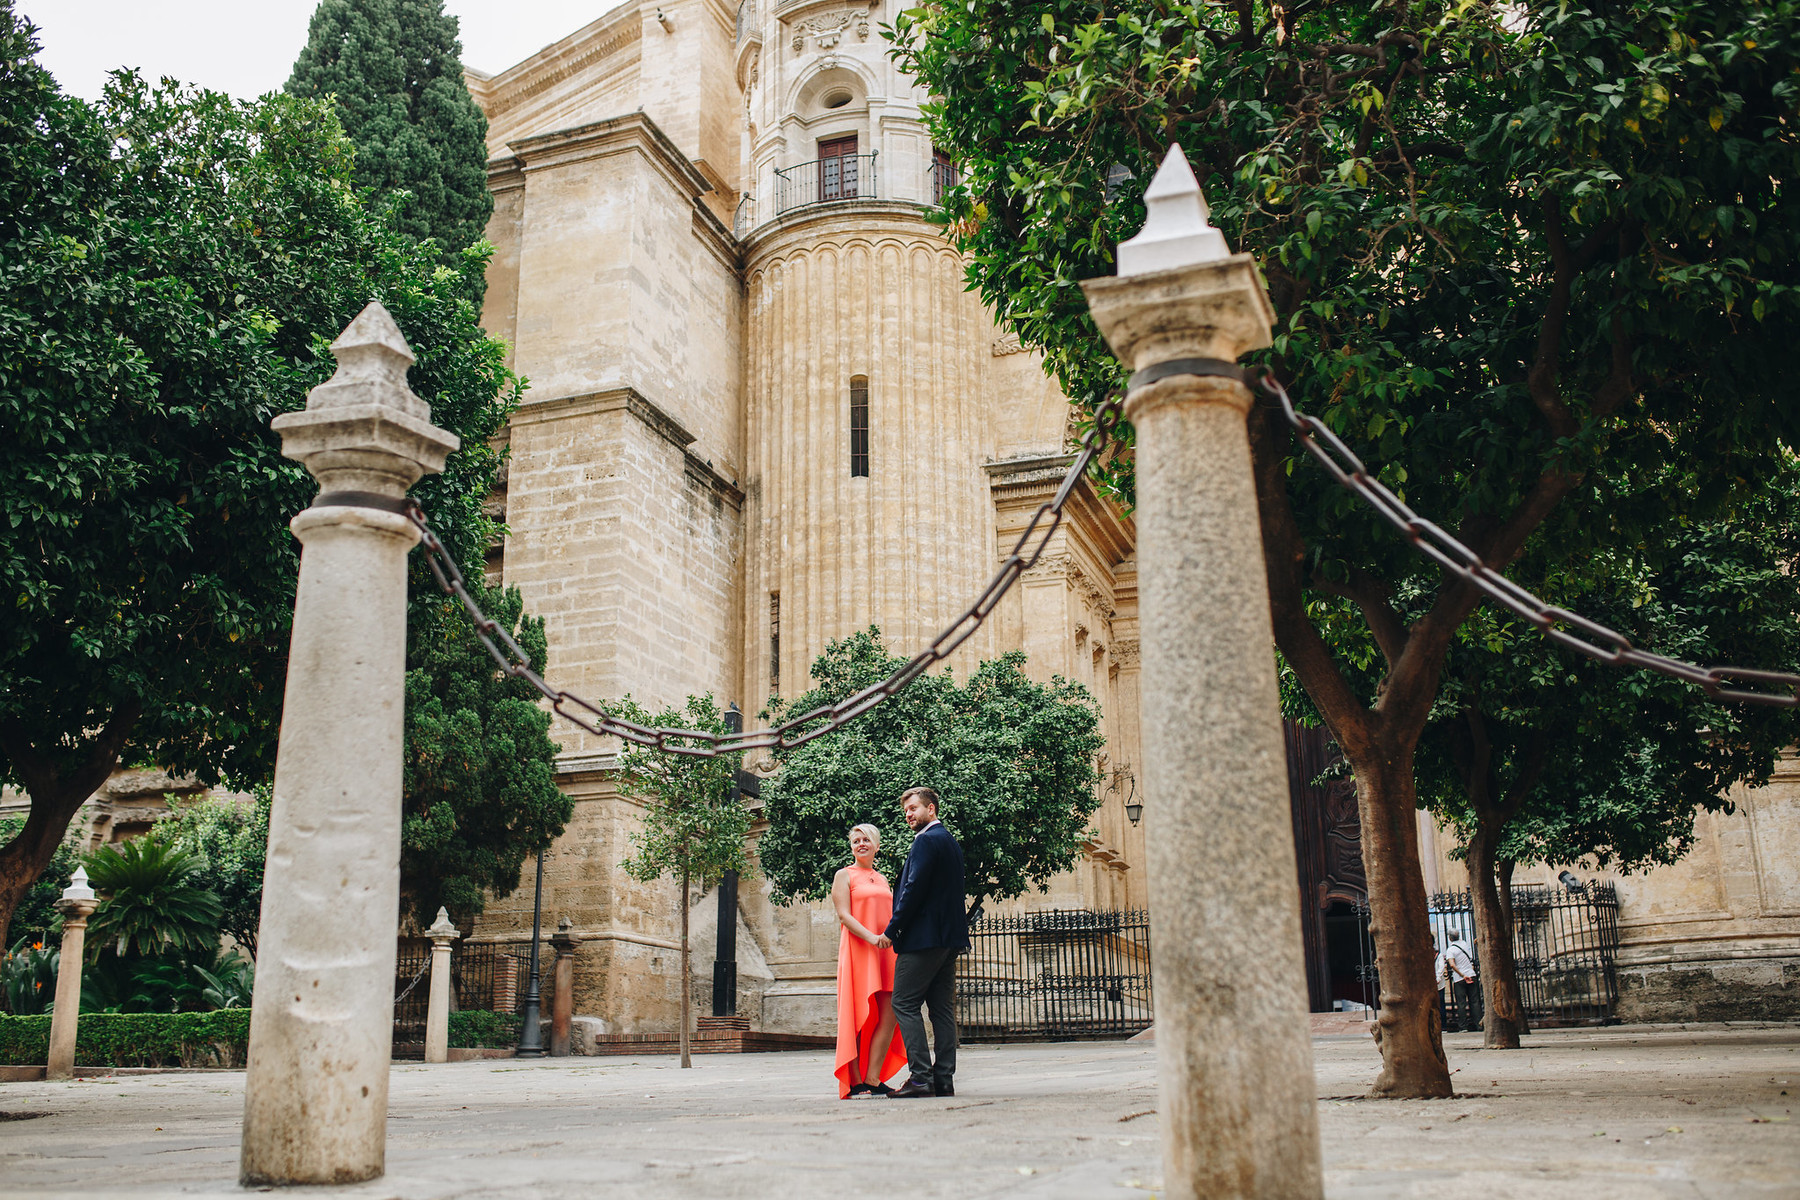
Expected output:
(395, 69)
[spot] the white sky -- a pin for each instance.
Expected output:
(248, 47)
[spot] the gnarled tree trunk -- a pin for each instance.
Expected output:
(57, 791)
(1504, 1015)
(1408, 1028)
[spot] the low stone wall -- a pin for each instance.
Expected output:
(1764, 989)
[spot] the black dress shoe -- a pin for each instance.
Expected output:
(912, 1089)
(944, 1087)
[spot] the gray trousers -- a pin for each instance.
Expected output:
(928, 978)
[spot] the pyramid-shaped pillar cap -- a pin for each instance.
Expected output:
(1178, 229)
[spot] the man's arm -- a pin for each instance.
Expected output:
(913, 890)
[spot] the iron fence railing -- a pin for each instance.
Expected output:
(1565, 950)
(826, 181)
(744, 218)
(1055, 976)
(485, 975)
(746, 20)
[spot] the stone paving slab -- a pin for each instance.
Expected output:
(1616, 1114)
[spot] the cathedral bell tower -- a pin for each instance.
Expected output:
(866, 501)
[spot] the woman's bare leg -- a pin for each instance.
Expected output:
(884, 1033)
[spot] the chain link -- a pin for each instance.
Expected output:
(822, 720)
(1558, 624)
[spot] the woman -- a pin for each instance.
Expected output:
(868, 1050)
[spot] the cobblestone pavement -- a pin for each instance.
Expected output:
(1592, 1115)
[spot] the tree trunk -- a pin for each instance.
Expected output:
(685, 989)
(1504, 1016)
(57, 793)
(1409, 1028)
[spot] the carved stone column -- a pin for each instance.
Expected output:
(562, 1003)
(437, 1011)
(321, 1030)
(76, 905)
(1233, 1046)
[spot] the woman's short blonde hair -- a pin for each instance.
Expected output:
(874, 833)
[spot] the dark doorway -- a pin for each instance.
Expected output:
(1328, 850)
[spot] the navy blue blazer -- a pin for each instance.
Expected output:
(928, 904)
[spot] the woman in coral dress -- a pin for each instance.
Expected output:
(869, 1049)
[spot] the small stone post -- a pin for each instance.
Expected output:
(437, 1012)
(562, 1004)
(77, 903)
(321, 1028)
(1234, 1054)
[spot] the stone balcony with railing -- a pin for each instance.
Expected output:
(807, 186)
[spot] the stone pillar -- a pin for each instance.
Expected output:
(437, 1012)
(321, 1029)
(1238, 1100)
(562, 1004)
(76, 905)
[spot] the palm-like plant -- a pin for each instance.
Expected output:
(152, 904)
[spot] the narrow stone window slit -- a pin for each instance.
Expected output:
(859, 426)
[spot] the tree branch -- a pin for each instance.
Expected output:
(1373, 599)
(1284, 552)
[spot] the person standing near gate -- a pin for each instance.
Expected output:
(1456, 972)
(928, 930)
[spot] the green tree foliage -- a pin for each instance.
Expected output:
(173, 267)
(1507, 244)
(1012, 762)
(227, 840)
(694, 827)
(151, 902)
(394, 70)
(1537, 755)
(480, 774)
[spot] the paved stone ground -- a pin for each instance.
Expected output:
(1704, 1112)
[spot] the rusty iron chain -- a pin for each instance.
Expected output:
(1558, 624)
(822, 720)
(1561, 626)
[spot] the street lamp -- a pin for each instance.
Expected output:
(1134, 808)
(531, 1038)
(1121, 780)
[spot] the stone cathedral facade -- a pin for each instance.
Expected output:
(764, 414)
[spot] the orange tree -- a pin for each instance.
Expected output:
(173, 268)
(1522, 256)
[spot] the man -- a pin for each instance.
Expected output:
(927, 931)
(1456, 974)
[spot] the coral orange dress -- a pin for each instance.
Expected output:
(865, 974)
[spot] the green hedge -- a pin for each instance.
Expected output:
(477, 1027)
(208, 1039)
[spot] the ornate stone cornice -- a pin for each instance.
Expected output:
(1125, 653)
(554, 63)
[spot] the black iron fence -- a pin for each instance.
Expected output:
(483, 976)
(1055, 976)
(825, 180)
(1565, 949)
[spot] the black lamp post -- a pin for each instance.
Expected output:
(531, 1038)
(724, 997)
